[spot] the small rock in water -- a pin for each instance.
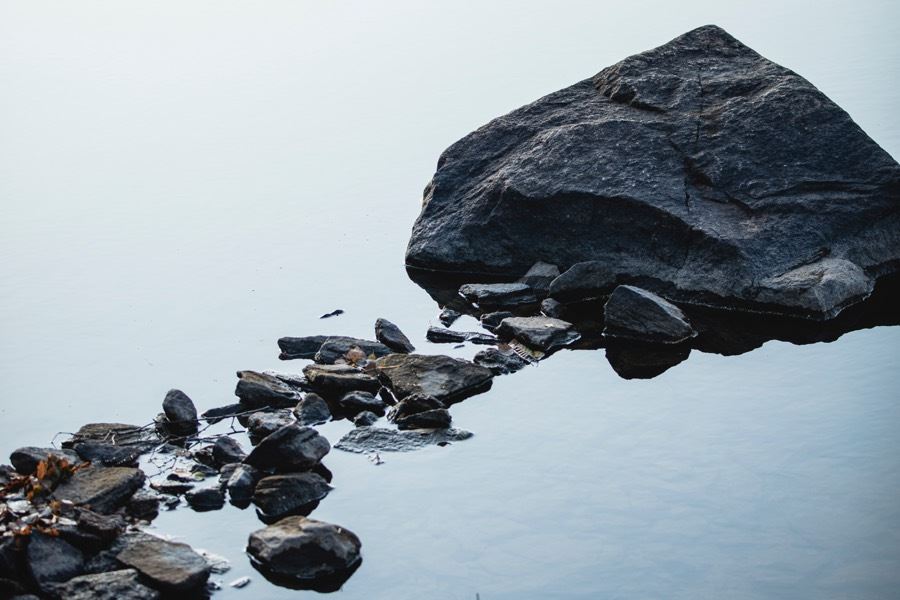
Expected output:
(240, 582)
(114, 585)
(300, 347)
(445, 378)
(333, 381)
(336, 312)
(365, 418)
(217, 564)
(181, 412)
(439, 335)
(171, 488)
(501, 361)
(498, 295)
(144, 504)
(214, 415)
(119, 434)
(169, 566)
(336, 348)
(279, 496)
(110, 455)
(312, 410)
(25, 460)
(491, 320)
(412, 405)
(449, 316)
(227, 450)
(552, 308)
(390, 335)
(358, 401)
(364, 440)
(258, 390)
(102, 489)
(539, 277)
(543, 333)
(291, 447)
(261, 424)
(241, 484)
(634, 313)
(205, 499)
(438, 418)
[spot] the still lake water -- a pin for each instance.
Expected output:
(183, 183)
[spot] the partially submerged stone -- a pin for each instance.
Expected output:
(336, 380)
(25, 460)
(543, 333)
(442, 377)
(257, 390)
(227, 450)
(169, 566)
(114, 585)
(261, 424)
(279, 496)
(301, 347)
(242, 482)
(102, 489)
(205, 499)
(110, 455)
(181, 412)
(539, 277)
(312, 410)
(413, 405)
(498, 295)
(448, 316)
(390, 335)
(336, 348)
(378, 439)
(634, 313)
(439, 335)
(118, 434)
(365, 418)
(492, 320)
(290, 448)
(355, 402)
(438, 418)
(500, 361)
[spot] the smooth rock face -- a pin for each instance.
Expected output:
(52, 560)
(242, 482)
(181, 412)
(169, 566)
(335, 348)
(102, 489)
(312, 410)
(413, 405)
(442, 377)
(337, 380)
(279, 496)
(25, 460)
(118, 434)
(633, 313)
(115, 585)
(543, 333)
(227, 450)
(492, 320)
(390, 335)
(380, 439)
(698, 170)
(291, 447)
(205, 499)
(110, 455)
(304, 549)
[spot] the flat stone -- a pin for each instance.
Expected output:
(498, 295)
(364, 440)
(491, 320)
(181, 412)
(169, 566)
(539, 277)
(105, 527)
(215, 415)
(110, 455)
(336, 380)
(227, 450)
(500, 361)
(172, 488)
(637, 314)
(118, 434)
(144, 504)
(258, 390)
(279, 496)
(442, 377)
(390, 335)
(102, 489)
(290, 448)
(312, 410)
(205, 499)
(358, 401)
(115, 585)
(335, 348)
(25, 460)
(543, 333)
(438, 418)
(413, 405)
(52, 560)
(300, 347)
(261, 424)
(439, 335)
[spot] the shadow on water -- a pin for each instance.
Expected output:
(719, 331)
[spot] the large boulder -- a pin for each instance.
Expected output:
(699, 170)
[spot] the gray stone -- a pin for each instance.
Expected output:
(498, 295)
(336, 380)
(214, 415)
(279, 496)
(390, 335)
(110, 455)
(335, 348)
(227, 450)
(539, 277)
(261, 424)
(181, 412)
(25, 460)
(300, 347)
(205, 499)
(52, 560)
(449, 316)
(258, 390)
(552, 308)
(542, 333)
(438, 418)
(242, 482)
(144, 504)
(363, 440)
(365, 418)
(439, 335)
(169, 566)
(102, 489)
(491, 321)
(356, 402)
(412, 405)
(115, 585)
(304, 549)
(312, 410)
(445, 378)
(698, 170)
(290, 448)
(118, 434)
(634, 313)
(500, 361)
(105, 527)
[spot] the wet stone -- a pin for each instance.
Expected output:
(412, 405)
(540, 276)
(501, 361)
(227, 450)
(172, 488)
(25, 460)
(215, 415)
(355, 402)
(335, 348)
(119, 434)
(439, 335)
(115, 585)
(442, 377)
(552, 308)
(290, 448)
(242, 482)
(279, 496)
(376, 439)
(542, 333)
(438, 418)
(206, 499)
(498, 295)
(334, 381)
(312, 410)
(449, 316)
(365, 418)
(144, 504)
(110, 455)
(491, 320)
(52, 560)
(636, 314)
(105, 527)
(259, 390)
(390, 335)
(261, 424)
(181, 413)
(169, 566)
(300, 347)
(102, 489)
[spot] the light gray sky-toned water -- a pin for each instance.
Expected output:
(181, 183)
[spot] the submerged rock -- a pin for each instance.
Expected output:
(390, 335)
(449, 316)
(336, 380)
(102, 489)
(439, 335)
(290, 448)
(356, 402)
(442, 377)
(698, 170)
(258, 390)
(25, 460)
(115, 585)
(365, 418)
(543, 333)
(378, 439)
(312, 410)
(181, 413)
(335, 348)
(227, 450)
(498, 295)
(205, 499)
(500, 361)
(438, 418)
(634, 313)
(643, 361)
(279, 496)
(169, 566)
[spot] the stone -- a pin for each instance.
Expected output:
(118, 434)
(144, 504)
(390, 335)
(279, 496)
(449, 316)
(115, 585)
(552, 308)
(500, 361)
(181, 413)
(290, 448)
(10, 558)
(335, 348)
(413, 405)
(205, 499)
(438, 418)
(698, 170)
(542, 333)
(214, 415)
(261, 424)
(105, 527)
(491, 321)
(227, 450)
(358, 401)
(169, 566)
(300, 347)
(102, 489)
(364, 440)
(588, 280)
(637, 314)
(171, 488)
(333, 381)
(439, 335)
(25, 460)
(110, 455)
(304, 549)
(312, 410)
(498, 295)
(365, 418)
(242, 482)
(539, 277)
(52, 560)
(447, 379)
(259, 390)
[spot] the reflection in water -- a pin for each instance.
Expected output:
(331, 583)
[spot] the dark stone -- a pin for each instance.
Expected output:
(172, 488)
(259, 390)
(491, 321)
(552, 308)
(115, 585)
(430, 419)
(336, 312)
(498, 295)
(261, 424)
(642, 361)
(10, 558)
(305, 550)
(365, 418)
(698, 170)
(445, 378)
(105, 527)
(539, 277)
(280, 496)
(312, 410)
(241, 483)
(227, 450)
(144, 504)
(336, 380)
(390, 335)
(25, 460)
(290, 448)
(102, 489)
(386, 395)
(205, 499)
(118, 434)
(181, 412)
(214, 415)
(335, 348)
(52, 560)
(542, 333)
(204, 470)
(439, 335)
(10, 588)
(110, 455)
(300, 347)
(364, 440)
(449, 316)
(205, 456)
(500, 361)
(356, 402)
(413, 405)
(634, 313)
(169, 566)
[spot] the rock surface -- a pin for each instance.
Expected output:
(291, 447)
(438, 418)
(634, 313)
(102, 489)
(337, 380)
(699, 170)
(442, 377)
(439, 335)
(280, 496)
(498, 295)
(378, 439)
(169, 566)
(500, 361)
(335, 348)
(181, 412)
(205, 499)
(115, 585)
(227, 450)
(543, 333)
(312, 410)
(52, 560)
(25, 460)
(262, 424)
(390, 335)
(356, 402)
(257, 390)
(300, 347)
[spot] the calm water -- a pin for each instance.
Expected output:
(183, 183)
